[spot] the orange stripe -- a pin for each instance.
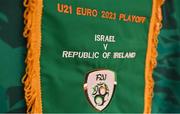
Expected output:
(154, 29)
(31, 79)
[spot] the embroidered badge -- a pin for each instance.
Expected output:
(99, 88)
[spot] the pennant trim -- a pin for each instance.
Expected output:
(151, 62)
(32, 31)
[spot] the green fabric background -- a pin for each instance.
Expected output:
(62, 79)
(167, 74)
(12, 55)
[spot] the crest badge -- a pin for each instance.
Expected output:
(99, 88)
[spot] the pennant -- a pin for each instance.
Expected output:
(90, 56)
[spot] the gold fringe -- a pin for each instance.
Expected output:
(31, 79)
(154, 29)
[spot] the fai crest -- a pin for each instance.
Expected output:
(99, 88)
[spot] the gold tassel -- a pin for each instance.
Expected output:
(154, 29)
(32, 31)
